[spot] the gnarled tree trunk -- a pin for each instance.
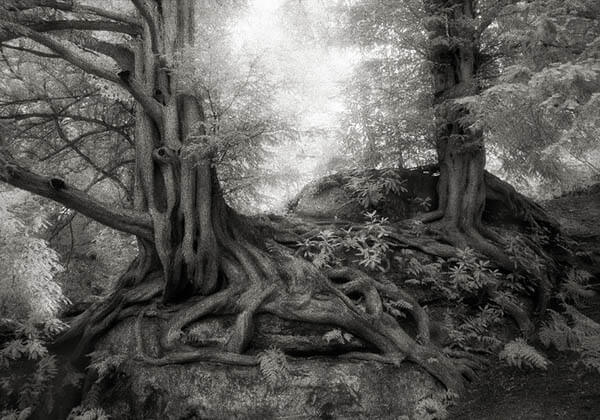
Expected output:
(454, 56)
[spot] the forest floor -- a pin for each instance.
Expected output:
(566, 390)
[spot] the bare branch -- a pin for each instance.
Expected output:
(74, 8)
(56, 46)
(150, 105)
(85, 25)
(121, 54)
(30, 51)
(136, 223)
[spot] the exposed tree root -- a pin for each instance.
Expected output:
(102, 315)
(296, 291)
(253, 279)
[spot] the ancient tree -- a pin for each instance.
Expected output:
(197, 255)
(456, 56)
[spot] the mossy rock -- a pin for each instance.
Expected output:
(330, 197)
(319, 387)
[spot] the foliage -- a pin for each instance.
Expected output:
(537, 70)
(520, 354)
(112, 250)
(337, 336)
(80, 413)
(475, 333)
(64, 122)
(575, 288)
(245, 117)
(27, 264)
(369, 242)
(434, 407)
(105, 363)
(536, 113)
(470, 274)
(29, 345)
(373, 189)
(575, 332)
(321, 248)
(467, 276)
(274, 366)
(16, 414)
(388, 120)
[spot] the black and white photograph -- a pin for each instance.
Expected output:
(299, 209)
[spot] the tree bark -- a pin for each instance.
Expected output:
(454, 52)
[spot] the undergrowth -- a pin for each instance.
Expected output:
(372, 189)
(464, 282)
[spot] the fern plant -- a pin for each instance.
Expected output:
(435, 407)
(16, 414)
(575, 332)
(475, 333)
(576, 288)
(520, 354)
(82, 413)
(274, 366)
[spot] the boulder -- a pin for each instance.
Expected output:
(330, 197)
(322, 386)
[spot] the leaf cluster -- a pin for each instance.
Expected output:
(370, 190)
(369, 242)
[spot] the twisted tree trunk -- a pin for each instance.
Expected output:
(454, 55)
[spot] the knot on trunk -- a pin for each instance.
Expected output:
(166, 155)
(57, 184)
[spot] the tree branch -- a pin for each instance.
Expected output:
(121, 54)
(30, 51)
(150, 105)
(74, 8)
(147, 14)
(136, 223)
(85, 25)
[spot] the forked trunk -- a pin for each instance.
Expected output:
(175, 184)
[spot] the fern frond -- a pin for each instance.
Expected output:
(520, 354)
(431, 408)
(274, 366)
(584, 324)
(82, 413)
(558, 333)
(590, 352)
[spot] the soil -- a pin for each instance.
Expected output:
(566, 390)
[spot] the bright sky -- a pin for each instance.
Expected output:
(318, 71)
